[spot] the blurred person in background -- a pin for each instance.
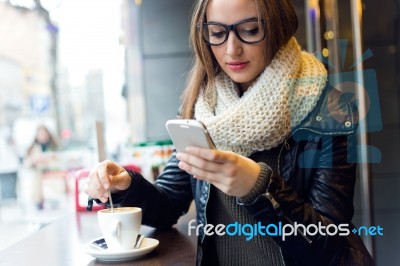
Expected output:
(40, 158)
(285, 140)
(43, 142)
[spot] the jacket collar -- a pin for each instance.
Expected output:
(334, 114)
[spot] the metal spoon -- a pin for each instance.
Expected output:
(139, 240)
(111, 202)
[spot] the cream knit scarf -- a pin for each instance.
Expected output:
(281, 97)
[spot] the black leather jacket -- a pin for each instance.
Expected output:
(314, 184)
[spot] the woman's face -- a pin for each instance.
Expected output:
(42, 136)
(242, 62)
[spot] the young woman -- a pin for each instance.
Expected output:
(284, 139)
(44, 141)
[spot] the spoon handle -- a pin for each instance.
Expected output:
(139, 240)
(111, 202)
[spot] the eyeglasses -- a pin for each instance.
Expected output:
(247, 31)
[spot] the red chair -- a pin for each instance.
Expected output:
(132, 167)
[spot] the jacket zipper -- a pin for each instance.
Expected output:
(205, 210)
(278, 210)
(283, 260)
(274, 203)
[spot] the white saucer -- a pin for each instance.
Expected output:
(148, 245)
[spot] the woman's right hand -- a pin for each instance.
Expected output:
(107, 175)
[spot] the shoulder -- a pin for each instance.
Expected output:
(335, 113)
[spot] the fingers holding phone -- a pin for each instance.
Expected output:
(233, 174)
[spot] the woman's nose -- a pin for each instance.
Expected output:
(233, 45)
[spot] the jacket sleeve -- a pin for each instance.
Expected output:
(320, 194)
(162, 202)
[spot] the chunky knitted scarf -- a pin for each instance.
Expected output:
(281, 97)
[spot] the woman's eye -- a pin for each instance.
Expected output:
(219, 34)
(250, 32)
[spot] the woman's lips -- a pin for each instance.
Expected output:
(236, 66)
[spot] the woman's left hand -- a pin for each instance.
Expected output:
(233, 174)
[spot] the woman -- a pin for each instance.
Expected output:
(39, 159)
(284, 140)
(44, 142)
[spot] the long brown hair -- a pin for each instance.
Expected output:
(281, 25)
(51, 143)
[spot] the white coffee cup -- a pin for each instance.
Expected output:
(121, 227)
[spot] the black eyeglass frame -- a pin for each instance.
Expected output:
(232, 27)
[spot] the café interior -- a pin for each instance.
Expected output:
(102, 77)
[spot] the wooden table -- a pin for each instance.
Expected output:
(61, 243)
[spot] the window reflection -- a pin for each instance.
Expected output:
(58, 64)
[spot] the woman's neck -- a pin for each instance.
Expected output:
(242, 89)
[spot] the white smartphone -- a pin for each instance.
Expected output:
(188, 132)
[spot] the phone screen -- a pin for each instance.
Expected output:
(100, 243)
